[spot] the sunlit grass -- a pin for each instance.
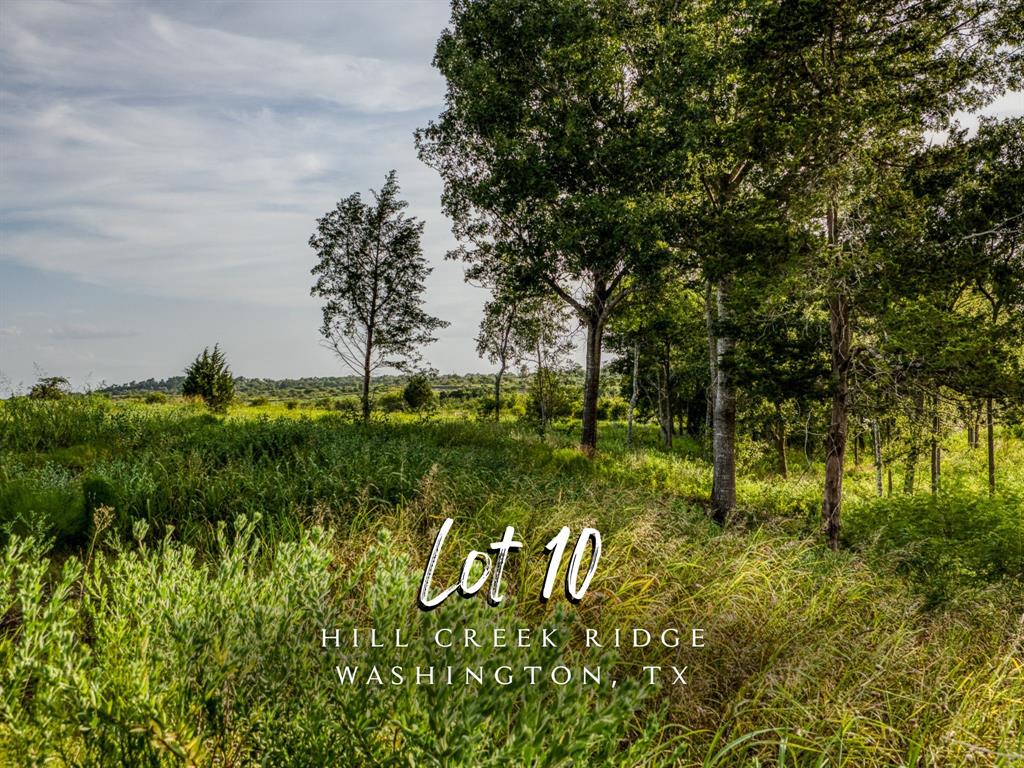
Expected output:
(904, 649)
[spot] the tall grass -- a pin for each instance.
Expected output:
(181, 628)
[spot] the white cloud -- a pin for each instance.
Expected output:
(128, 49)
(163, 157)
(182, 152)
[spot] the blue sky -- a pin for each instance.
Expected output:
(162, 165)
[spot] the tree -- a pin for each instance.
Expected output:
(957, 322)
(370, 272)
(502, 336)
(541, 333)
(730, 162)
(209, 378)
(417, 392)
(865, 76)
(544, 148)
(50, 388)
(659, 339)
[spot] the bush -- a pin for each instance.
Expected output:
(210, 378)
(50, 388)
(237, 669)
(391, 401)
(511, 405)
(291, 405)
(45, 502)
(611, 408)
(944, 542)
(417, 392)
(259, 402)
(349, 404)
(552, 390)
(155, 398)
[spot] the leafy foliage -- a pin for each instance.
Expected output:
(418, 393)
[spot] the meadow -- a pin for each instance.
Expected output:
(166, 574)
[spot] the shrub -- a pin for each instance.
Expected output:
(43, 425)
(50, 388)
(189, 659)
(511, 405)
(418, 393)
(155, 398)
(391, 401)
(209, 378)
(45, 502)
(945, 542)
(291, 405)
(611, 408)
(552, 390)
(258, 402)
(348, 404)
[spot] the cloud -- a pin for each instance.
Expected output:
(180, 153)
(161, 156)
(131, 50)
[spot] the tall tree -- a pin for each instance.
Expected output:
(545, 151)
(961, 318)
(863, 75)
(370, 272)
(727, 155)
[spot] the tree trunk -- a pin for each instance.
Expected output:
(591, 386)
(366, 385)
(497, 392)
(694, 418)
(876, 444)
(840, 337)
(635, 394)
(976, 415)
(888, 469)
(990, 436)
(709, 321)
(936, 450)
(723, 486)
(541, 401)
(666, 372)
(780, 439)
(915, 444)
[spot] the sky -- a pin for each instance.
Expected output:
(162, 166)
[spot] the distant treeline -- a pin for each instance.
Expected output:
(468, 385)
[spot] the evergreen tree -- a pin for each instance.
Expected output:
(418, 393)
(209, 378)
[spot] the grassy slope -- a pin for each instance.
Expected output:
(905, 649)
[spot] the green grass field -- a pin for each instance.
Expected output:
(166, 574)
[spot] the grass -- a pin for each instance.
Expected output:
(181, 627)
